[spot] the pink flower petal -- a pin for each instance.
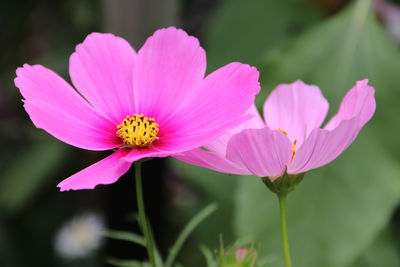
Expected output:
(170, 68)
(215, 158)
(106, 171)
(101, 69)
(358, 102)
(264, 152)
(255, 122)
(149, 152)
(56, 107)
(212, 160)
(70, 128)
(219, 106)
(297, 108)
(323, 146)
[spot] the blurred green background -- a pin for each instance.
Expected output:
(345, 214)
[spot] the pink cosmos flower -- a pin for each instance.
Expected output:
(152, 103)
(290, 139)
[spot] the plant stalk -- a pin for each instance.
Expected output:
(284, 231)
(144, 225)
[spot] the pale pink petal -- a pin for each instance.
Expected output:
(212, 160)
(264, 152)
(297, 108)
(101, 69)
(56, 107)
(178, 142)
(323, 146)
(220, 105)
(358, 102)
(255, 122)
(106, 171)
(169, 69)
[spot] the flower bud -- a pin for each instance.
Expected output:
(239, 257)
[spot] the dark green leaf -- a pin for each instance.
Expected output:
(30, 171)
(338, 209)
(126, 236)
(333, 214)
(384, 251)
(189, 228)
(244, 30)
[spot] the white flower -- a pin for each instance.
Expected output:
(392, 22)
(80, 236)
(390, 14)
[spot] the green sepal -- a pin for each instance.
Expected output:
(283, 184)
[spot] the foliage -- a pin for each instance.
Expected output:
(175, 248)
(339, 210)
(340, 215)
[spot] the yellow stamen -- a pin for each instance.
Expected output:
(138, 131)
(294, 145)
(283, 131)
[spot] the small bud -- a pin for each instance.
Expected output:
(239, 257)
(241, 253)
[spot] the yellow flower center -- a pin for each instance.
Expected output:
(294, 145)
(138, 131)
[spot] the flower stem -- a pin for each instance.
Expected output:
(284, 232)
(144, 225)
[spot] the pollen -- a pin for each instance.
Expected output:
(294, 145)
(283, 131)
(138, 131)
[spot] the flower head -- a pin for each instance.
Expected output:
(152, 103)
(80, 236)
(289, 140)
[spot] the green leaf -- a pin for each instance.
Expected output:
(340, 208)
(219, 188)
(240, 31)
(125, 236)
(209, 256)
(334, 213)
(8, 252)
(157, 255)
(140, 240)
(384, 251)
(244, 30)
(333, 55)
(189, 228)
(28, 174)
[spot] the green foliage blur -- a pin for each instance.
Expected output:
(345, 214)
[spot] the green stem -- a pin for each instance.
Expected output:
(144, 225)
(284, 232)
